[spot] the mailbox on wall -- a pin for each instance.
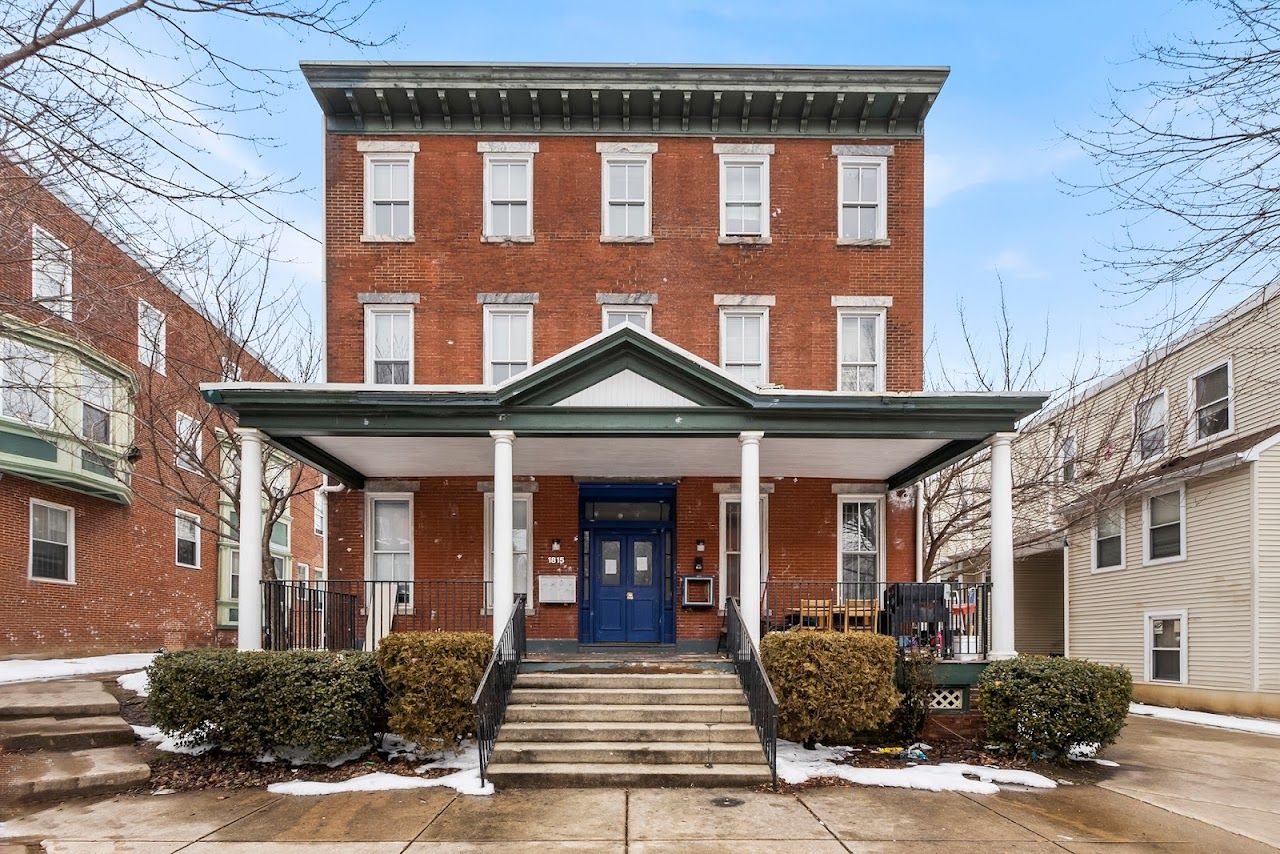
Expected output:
(699, 591)
(557, 589)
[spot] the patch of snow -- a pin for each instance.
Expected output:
(33, 670)
(796, 765)
(1088, 753)
(169, 743)
(398, 747)
(135, 682)
(1259, 726)
(466, 782)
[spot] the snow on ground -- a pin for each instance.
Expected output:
(465, 781)
(34, 670)
(135, 682)
(168, 743)
(796, 765)
(1089, 753)
(1254, 725)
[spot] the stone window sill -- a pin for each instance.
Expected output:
(850, 241)
(518, 238)
(609, 238)
(743, 240)
(373, 238)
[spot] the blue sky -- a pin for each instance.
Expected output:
(997, 208)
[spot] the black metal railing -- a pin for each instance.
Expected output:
(755, 684)
(951, 617)
(339, 615)
(490, 700)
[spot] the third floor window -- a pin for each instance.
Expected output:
(1151, 426)
(1211, 400)
(862, 189)
(744, 196)
(388, 196)
(508, 196)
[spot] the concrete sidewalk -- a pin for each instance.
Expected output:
(1071, 818)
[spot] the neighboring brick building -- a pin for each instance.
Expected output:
(107, 542)
(610, 281)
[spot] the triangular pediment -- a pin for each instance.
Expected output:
(624, 389)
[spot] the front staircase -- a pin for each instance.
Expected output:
(629, 723)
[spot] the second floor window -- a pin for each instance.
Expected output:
(50, 272)
(744, 196)
(1164, 540)
(1108, 539)
(1070, 456)
(744, 344)
(96, 398)
(1152, 426)
(508, 196)
(1211, 394)
(639, 315)
(861, 351)
(862, 199)
(152, 331)
(388, 345)
(626, 196)
(508, 342)
(189, 444)
(388, 195)
(26, 383)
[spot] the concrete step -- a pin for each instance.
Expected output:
(56, 699)
(608, 731)
(630, 696)
(628, 752)
(50, 733)
(637, 681)
(572, 775)
(628, 713)
(39, 776)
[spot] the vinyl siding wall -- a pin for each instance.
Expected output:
(1267, 485)
(1037, 590)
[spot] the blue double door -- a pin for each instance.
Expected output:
(627, 574)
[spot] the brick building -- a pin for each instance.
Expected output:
(113, 536)
(626, 340)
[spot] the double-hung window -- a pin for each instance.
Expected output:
(186, 534)
(388, 335)
(731, 545)
(152, 330)
(744, 343)
(1151, 426)
(388, 195)
(624, 195)
(860, 343)
(744, 193)
(1108, 539)
(638, 315)
(1211, 401)
(859, 544)
(26, 383)
(96, 402)
(50, 272)
(391, 546)
(521, 531)
(188, 442)
(1166, 642)
(319, 509)
(1070, 457)
(508, 195)
(53, 542)
(862, 191)
(508, 341)
(1163, 518)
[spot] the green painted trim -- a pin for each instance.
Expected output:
(934, 462)
(22, 445)
(955, 674)
(315, 457)
(82, 482)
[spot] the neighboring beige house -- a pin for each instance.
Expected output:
(1163, 511)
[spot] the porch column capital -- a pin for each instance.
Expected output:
(751, 437)
(1003, 439)
(505, 437)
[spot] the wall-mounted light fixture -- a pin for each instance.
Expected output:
(697, 564)
(555, 544)
(702, 545)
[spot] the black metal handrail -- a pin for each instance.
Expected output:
(490, 700)
(755, 684)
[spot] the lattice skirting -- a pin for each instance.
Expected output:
(948, 700)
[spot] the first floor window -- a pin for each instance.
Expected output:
(1108, 539)
(280, 535)
(861, 351)
(521, 565)
(187, 537)
(1151, 426)
(731, 546)
(302, 575)
(279, 568)
(235, 576)
(508, 342)
(392, 545)
(638, 315)
(859, 548)
(1166, 640)
(744, 344)
(52, 541)
(389, 345)
(862, 198)
(26, 383)
(1164, 525)
(1212, 393)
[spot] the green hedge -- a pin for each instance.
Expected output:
(324, 704)
(831, 686)
(431, 678)
(1040, 706)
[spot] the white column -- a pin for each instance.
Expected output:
(749, 573)
(250, 605)
(503, 578)
(1002, 641)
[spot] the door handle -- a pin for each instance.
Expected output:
(630, 595)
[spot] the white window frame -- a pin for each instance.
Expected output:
(882, 192)
(1147, 647)
(109, 385)
(1193, 426)
(761, 311)
(9, 354)
(370, 500)
(393, 158)
(881, 315)
(607, 310)
(490, 158)
(1093, 540)
(761, 160)
(503, 308)
(645, 161)
(319, 513)
(302, 575)
(71, 541)
(736, 498)
(881, 556)
(190, 517)
(1137, 427)
(61, 304)
(1065, 459)
(527, 498)
(371, 313)
(1147, 560)
(153, 354)
(180, 434)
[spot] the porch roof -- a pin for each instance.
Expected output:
(623, 403)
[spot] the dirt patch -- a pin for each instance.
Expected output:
(132, 707)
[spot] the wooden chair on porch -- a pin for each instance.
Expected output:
(860, 615)
(816, 614)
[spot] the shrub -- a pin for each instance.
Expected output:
(830, 686)
(319, 703)
(915, 680)
(431, 678)
(1041, 706)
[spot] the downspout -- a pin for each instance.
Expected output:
(919, 488)
(326, 490)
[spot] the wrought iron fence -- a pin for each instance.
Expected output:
(755, 684)
(338, 615)
(951, 617)
(490, 700)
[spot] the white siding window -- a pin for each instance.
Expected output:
(1151, 426)
(744, 196)
(731, 544)
(508, 341)
(859, 544)
(1166, 646)
(189, 443)
(625, 196)
(638, 315)
(152, 332)
(863, 191)
(1108, 539)
(388, 196)
(97, 394)
(860, 344)
(50, 272)
(1211, 403)
(26, 383)
(508, 196)
(744, 344)
(1164, 531)
(1070, 457)
(391, 543)
(186, 534)
(52, 553)
(521, 537)
(388, 349)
